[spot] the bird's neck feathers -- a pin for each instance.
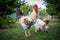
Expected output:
(35, 11)
(34, 15)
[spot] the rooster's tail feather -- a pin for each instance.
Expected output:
(19, 13)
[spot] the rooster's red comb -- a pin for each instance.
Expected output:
(35, 6)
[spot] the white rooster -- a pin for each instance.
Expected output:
(27, 21)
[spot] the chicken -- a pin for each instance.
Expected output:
(40, 25)
(27, 21)
(47, 19)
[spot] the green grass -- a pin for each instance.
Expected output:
(18, 33)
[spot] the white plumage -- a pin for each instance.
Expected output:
(40, 25)
(27, 24)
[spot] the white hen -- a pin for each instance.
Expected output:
(40, 25)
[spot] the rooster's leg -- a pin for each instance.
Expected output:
(26, 33)
(29, 32)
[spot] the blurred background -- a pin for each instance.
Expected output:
(10, 28)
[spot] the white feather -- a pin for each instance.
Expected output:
(39, 25)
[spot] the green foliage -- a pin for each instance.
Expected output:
(7, 7)
(53, 7)
(13, 16)
(6, 22)
(43, 12)
(51, 1)
(25, 8)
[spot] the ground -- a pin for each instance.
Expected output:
(18, 33)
